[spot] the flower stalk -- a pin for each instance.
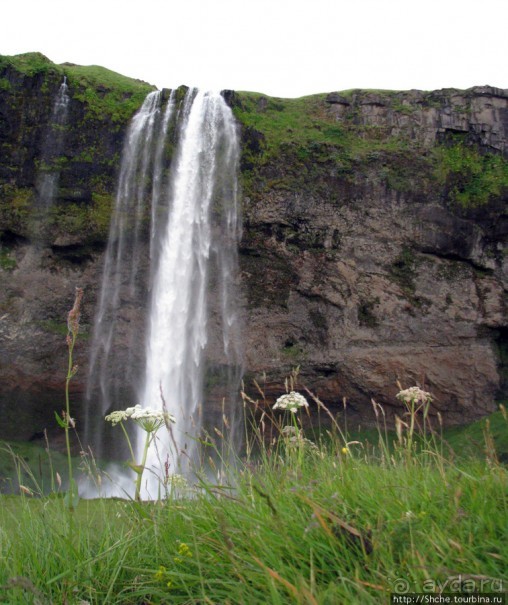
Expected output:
(292, 402)
(68, 422)
(148, 420)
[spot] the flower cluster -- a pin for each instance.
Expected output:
(183, 552)
(162, 575)
(295, 438)
(148, 419)
(414, 395)
(291, 401)
(177, 482)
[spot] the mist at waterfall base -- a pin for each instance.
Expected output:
(167, 327)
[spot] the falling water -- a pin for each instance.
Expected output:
(49, 175)
(190, 272)
(49, 168)
(202, 223)
(112, 373)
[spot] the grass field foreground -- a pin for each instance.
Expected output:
(321, 521)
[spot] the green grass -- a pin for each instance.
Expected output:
(106, 94)
(312, 143)
(306, 144)
(306, 123)
(288, 120)
(29, 64)
(29, 465)
(471, 178)
(297, 523)
(470, 440)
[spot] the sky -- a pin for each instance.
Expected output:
(283, 48)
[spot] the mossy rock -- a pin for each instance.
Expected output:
(469, 176)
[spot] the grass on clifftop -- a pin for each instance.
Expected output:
(306, 121)
(313, 140)
(288, 120)
(29, 64)
(105, 92)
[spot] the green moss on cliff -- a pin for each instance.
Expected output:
(15, 206)
(106, 93)
(305, 144)
(100, 212)
(30, 64)
(308, 123)
(88, 221)
(298, 121)
(102, 103)
(470, 178)
(306, 137)
(7, 262)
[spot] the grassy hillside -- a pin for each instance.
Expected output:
(106, 94)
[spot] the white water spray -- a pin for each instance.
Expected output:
(204, 172)
(49, 175)
(193, 237)
(111, 374)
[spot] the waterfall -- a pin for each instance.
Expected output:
(112, 373)
(203, 199)
(49, 169)
(187, 263)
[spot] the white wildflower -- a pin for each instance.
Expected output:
(148, 419)
(414, 395)
(294, 437)
(177, 481)
(116, 417)
(130, 411)
(151, 420)
(290, 430)
(291, 401)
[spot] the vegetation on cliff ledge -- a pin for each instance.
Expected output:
(316, 141)
(471, 178)
(106, 94)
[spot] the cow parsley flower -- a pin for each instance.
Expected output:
(177, 481)
(414, 395)
(150, 421)
(116, 417)
(291, 401)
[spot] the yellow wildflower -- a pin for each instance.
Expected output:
(160, 574)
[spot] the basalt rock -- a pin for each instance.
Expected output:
(378, 260)
(373, 250)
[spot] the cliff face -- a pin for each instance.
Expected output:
(40, 267)
(373, 246)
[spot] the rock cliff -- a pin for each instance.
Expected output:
(373, 249)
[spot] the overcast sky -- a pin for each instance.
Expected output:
(285, 48)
